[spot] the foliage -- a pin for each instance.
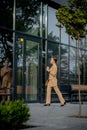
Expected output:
(73, 19)
(77, 4)
(26, 10)
(14, 113)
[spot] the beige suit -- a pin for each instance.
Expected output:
(52, 83)
(6, 81)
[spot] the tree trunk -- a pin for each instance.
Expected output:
(79, 81)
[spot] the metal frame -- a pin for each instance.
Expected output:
(46, 36)
(68, 59)
(24, 68)
(59, 54)
(14, 50)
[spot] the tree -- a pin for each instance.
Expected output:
(73, 17)
(26, 10)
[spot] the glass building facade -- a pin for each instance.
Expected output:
(34, 48)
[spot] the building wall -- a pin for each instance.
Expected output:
(42, 40)
(54, 42)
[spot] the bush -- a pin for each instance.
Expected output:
(13, 114)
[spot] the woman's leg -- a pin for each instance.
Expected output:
(48, 95)
(3, 90)
(9, 91)
(59, 95)
(3, 97)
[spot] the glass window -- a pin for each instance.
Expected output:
(53, 31)
(35, 27)
(64, 65)
(73, 66)
(28, 17)
(44, 19)
(64, 36)
(73, 42)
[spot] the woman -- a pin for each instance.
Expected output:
(52, 83)
(6, 75)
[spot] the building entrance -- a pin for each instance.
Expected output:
(28, 69)
(32, 56)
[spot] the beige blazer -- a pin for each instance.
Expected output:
(52, 80)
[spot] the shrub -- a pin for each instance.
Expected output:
(14, 114)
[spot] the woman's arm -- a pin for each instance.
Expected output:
(48, 69)
(3, 72)
(53, 71)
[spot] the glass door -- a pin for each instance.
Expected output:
(31, 81)
(27, 69)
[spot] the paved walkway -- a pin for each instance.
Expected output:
(56, 117)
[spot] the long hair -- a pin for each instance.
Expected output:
(55, 59)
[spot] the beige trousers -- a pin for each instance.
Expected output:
(8, 91)
(48, 96)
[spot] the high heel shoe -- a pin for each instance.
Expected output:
(63, 104)
(46, 104)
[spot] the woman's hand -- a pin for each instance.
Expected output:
(47, 69)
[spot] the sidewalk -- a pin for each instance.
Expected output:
(55, 117)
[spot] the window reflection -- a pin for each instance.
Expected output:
(64, 36)
(35, 28)
(64, 65)
(28, 17)
(73, 42)
(73, 66)
(53, 31)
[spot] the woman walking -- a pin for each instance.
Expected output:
(52, 83)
